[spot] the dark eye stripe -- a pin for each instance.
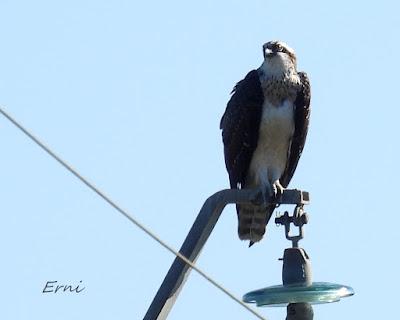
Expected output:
(282, 49)
(277, 47)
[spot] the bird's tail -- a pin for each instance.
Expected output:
(252, 221)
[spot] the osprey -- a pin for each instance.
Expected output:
(264, 128)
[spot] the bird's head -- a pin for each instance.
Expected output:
(278, 53)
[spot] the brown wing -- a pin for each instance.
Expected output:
(302, 117)
(240, 125)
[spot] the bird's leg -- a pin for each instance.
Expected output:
(271, 192)
(266, 194)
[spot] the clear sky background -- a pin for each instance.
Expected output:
(131, 93)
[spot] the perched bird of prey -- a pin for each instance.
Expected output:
(264, 128)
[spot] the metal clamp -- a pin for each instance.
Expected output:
(299, 219)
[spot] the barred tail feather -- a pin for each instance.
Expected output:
(252, 222)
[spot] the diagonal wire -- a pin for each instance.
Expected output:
(126, 214)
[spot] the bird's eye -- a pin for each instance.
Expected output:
(283, 49)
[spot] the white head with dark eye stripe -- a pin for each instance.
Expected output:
(274, 48)
(278, 57)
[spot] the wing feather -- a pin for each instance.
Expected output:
(240, 126)
(302, 118)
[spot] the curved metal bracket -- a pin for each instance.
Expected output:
(197, 237)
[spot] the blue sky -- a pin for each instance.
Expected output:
(131, 93)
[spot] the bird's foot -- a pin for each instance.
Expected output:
(277, 189)
(271, 193)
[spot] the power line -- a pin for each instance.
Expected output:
(126, 214)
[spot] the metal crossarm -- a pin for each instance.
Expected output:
(197, 237)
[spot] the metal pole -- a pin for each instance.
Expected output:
(299, 311)
(197, 237)
(297, 270)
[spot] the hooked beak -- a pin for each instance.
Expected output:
(268, 52)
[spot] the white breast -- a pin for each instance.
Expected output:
(276, 131)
